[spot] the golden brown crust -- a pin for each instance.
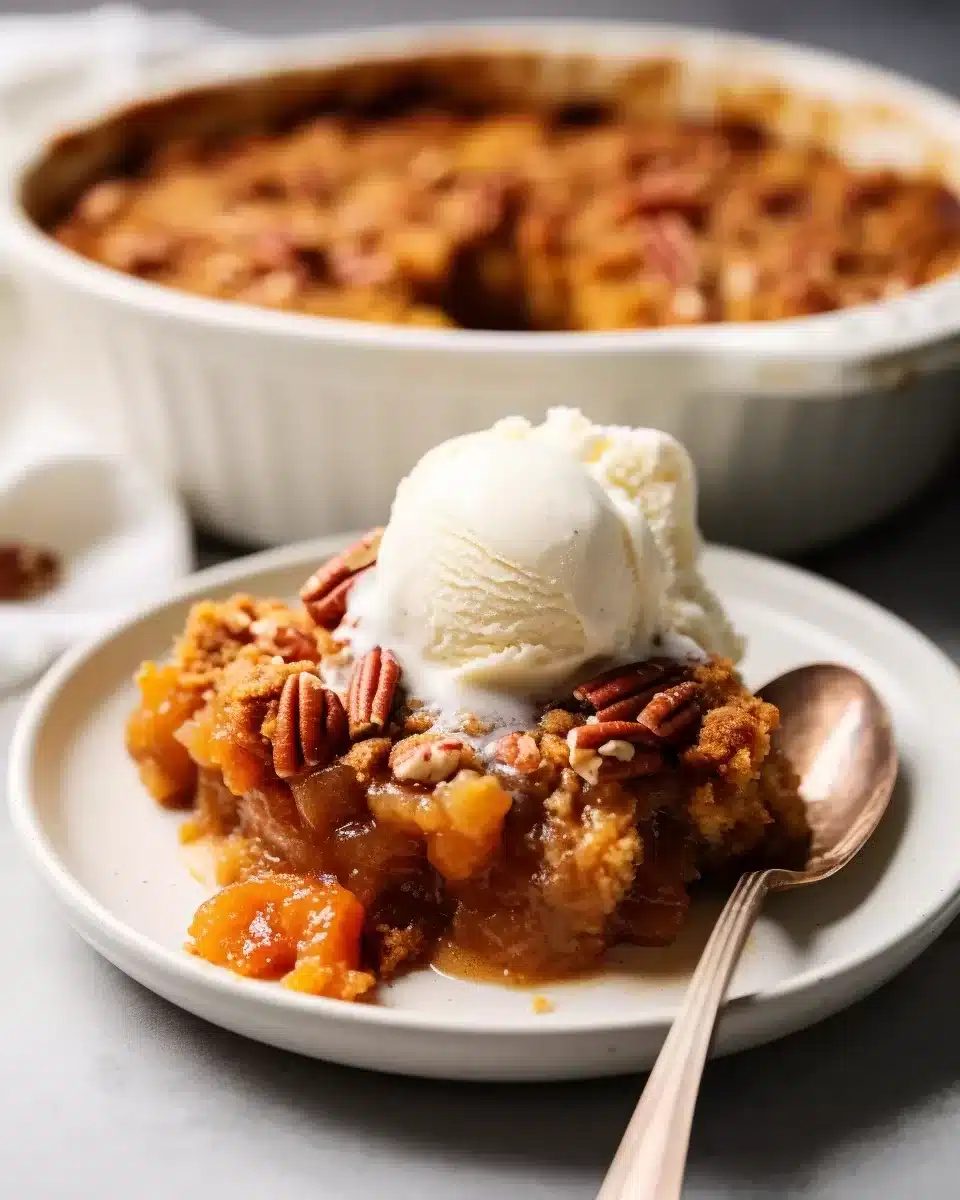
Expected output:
(217, 632)
(519, 220)
(397, 948)
(417, 720)
(558, 722)
(366, 757)
(748, 793)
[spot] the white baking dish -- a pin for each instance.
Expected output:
(280, 426)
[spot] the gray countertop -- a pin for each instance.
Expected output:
(109, 1090)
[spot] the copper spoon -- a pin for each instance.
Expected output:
(836, 732)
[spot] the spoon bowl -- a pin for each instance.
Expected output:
(836, 732)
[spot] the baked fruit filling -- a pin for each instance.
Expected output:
(357, 834)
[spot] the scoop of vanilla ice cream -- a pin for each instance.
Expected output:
(518, 559)
(649, 471)
(508, 566)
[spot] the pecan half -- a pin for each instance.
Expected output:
(104, 201)
(593, 736)
(623, 692)
(426, 758)
(325, 593)
(643, 764)
(138, 251)
(373, 687)
(668, 189)
(611, 751)
(280, 638)
(518, 750)
(27, 571)
(673, 714)
(311, 726)
(670, 248)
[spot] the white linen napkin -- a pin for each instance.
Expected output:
(53, 67)
(123, 536)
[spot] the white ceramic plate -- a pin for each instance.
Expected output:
(113, 859)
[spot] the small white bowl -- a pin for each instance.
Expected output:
(280, 426)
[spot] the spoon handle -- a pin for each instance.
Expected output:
(650, 1162)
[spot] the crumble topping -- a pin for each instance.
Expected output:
(217, 632)
(408, 839)
(557, 221)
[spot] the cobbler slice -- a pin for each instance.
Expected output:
(356, 835)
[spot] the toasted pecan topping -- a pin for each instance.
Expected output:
(275, 636)
(614, 758)
(639, 705)
(426, 758)
(597, 733)
(670, 248)
(536, 873)
(622, 693)
(642, 764)
(325, 592)
(373, 689)
(311, 726)
(673, 714)
(518, 750)
(613, 750)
